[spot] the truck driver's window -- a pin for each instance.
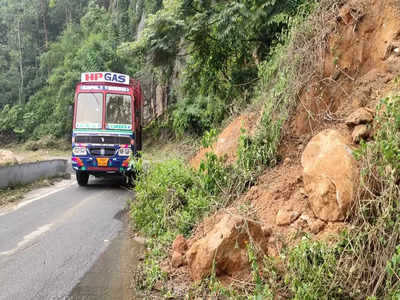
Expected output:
(89, 111)
(118, 111)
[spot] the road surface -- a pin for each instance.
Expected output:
(51, 242)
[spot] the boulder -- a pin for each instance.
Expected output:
(226, 245)
(330, 175)
(360, 132)
(360, 116)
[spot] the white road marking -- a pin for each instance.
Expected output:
(29, 201)
(28, 238)
(45, 228)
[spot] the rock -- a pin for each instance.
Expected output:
(177, 259)
(330, 175)
(360, 132)
(286, 217)
(267, 231)
(7, 157)
(315, 225)
(287, 161)
(179, 245)
(226, 245)
(360, 116)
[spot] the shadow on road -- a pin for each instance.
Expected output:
(111, 277)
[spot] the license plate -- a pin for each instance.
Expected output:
(102, 162)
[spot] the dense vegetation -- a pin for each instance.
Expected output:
(45, 46)
(206, 52)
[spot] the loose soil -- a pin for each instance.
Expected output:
(228, 140)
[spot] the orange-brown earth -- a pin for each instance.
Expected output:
(228, 140)
(360, 66)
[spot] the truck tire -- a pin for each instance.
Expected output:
(82, 178)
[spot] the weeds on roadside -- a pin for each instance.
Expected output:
(375, 233)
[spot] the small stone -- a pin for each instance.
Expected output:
(177, 259)
(286, 217)
(287, 161)
(179, 245)
(360, 116)
(360, 132)
(316, 225)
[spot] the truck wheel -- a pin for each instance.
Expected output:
(82, 178)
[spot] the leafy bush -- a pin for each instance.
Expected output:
(310, 266)
(171, 197)
(197, 115)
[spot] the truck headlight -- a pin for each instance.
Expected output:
(124, 151)
(79, 151)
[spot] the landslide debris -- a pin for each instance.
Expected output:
(225, 246)
(330, 175)
(314, 187)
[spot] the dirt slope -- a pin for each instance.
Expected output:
(360, 66)
(228, 140)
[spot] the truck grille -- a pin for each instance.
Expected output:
(103, 139)
(102, 151)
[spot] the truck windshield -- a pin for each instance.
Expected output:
(89, 111)
(118, 111)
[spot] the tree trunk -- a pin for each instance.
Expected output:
(44, 7)
(21, 71)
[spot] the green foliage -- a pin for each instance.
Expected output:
(311, 265)
(90, 46)
(170, 199)
(376, 222)
(149, 272)
(393, 271)
(197, 115)
(219, 44)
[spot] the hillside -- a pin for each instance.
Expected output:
(317, 219)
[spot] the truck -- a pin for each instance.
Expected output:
(107, 125)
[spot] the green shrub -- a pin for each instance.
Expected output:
(375, 233)
(162, 194)
(310, 269)
(197, 115)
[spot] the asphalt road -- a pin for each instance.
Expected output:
(49, 242)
